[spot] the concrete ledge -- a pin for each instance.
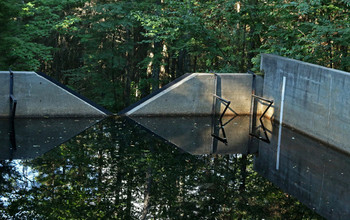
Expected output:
(39, 96)
(193, 95)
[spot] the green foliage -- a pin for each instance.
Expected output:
(311, 31)
(116, 52)
(28, 41)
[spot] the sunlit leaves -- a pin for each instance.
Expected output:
(309, 31)
(68, 23)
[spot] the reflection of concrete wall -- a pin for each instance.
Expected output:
(317, 99)
(37, 96)
(193, 134)
(193, 95)
(313, 173)
(37, 136)
(237, 133)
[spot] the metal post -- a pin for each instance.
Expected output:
(11, 82)
(13, 101)
(13, 105)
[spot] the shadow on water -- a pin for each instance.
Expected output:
(115, 170)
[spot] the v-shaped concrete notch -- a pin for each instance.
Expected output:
(38, 95)
(192, 94)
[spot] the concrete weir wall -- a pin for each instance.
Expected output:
(39, 96)
(192, 94)
(317, 99)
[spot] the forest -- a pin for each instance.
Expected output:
(116, 52)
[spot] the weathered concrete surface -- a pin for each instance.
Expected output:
(35, 136)
(38, 96)
(193, 95)
(315, 174)
(317, 98)
(236, 88)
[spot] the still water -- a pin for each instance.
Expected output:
(167, 168)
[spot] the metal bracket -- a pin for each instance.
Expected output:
(222, 139)
(266, 139)
(226, 103)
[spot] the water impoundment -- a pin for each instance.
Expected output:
(199, 148)
(117, 169)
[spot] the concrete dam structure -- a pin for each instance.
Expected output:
(38, 113)
(316, 98)
(194, 94)
(226, 114)
(36, 95)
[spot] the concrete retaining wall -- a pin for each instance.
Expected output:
(38, 96)
(317, 99)
(193, 95)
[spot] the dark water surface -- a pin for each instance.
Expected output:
(186, 169)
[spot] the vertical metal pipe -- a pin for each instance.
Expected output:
(213, 115)
(11, 92)
(13, 104)
(11, 82)
(214, 94)
(281, 121)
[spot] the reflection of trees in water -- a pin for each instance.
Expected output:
(7, 175)
(119, 171)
